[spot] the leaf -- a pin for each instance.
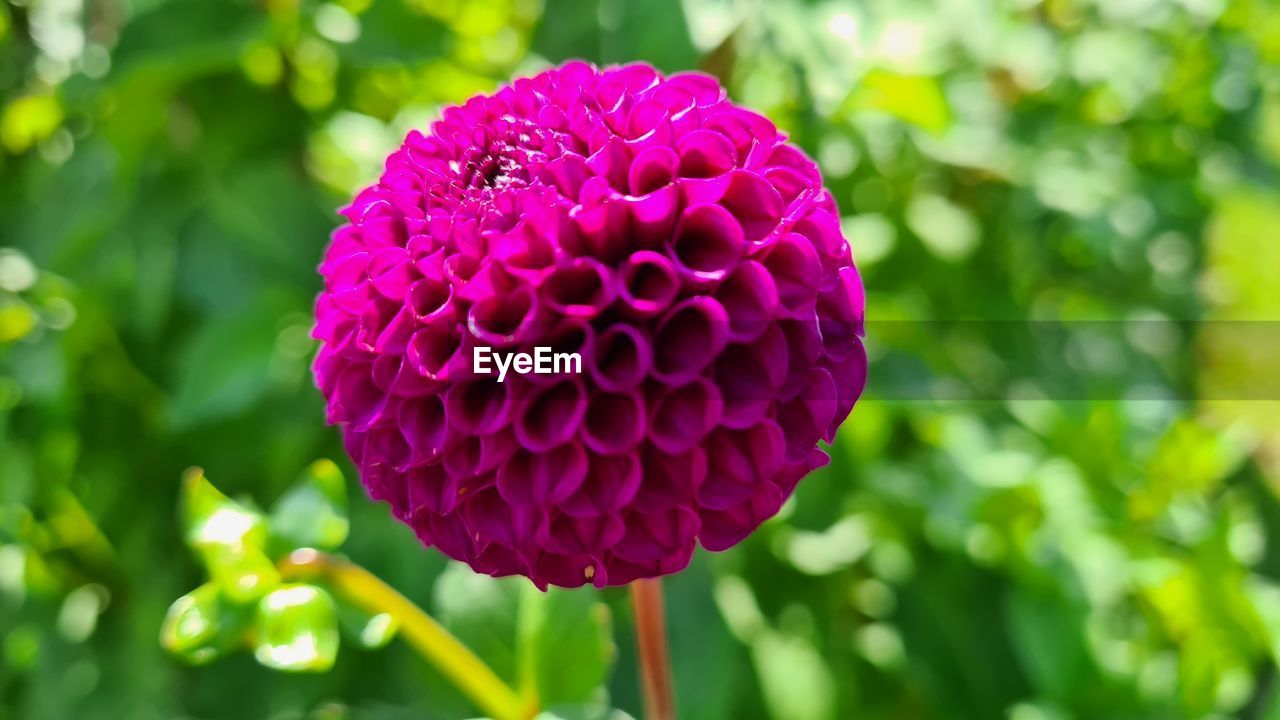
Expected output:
(371, 631)
(229, 538)
(1190, 460)
(227, 365)
(699, 640)
(569, 29)
(560, 641)
(244, 572)
(656, 31)
(177, 41)
(297, 629)
(28, 120)
(201, 625)
(1237, 346)
(572, 646)
(1046, 632)
(916, 99)
(588, 711)
(394, 35)
(313, 513)
(795, 679)
(267, 207)
(617, 32)
(210, 518)
(16, 320)
(481, 611)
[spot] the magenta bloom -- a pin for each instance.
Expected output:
(673, 240)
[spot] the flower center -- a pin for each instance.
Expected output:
(492, 167)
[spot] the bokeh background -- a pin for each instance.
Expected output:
(1079, 523)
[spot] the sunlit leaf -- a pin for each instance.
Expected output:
(571, 642)
(313, 513)
(794, 678)
(29, 119)
(947, 229)
(229, 537)
(78, 616)
(213, 519)
(560, 640)
(201, 625)
(1189, 461)
(16, 320)
(1047, 632)
(232, 361)
(371, 631)
(174, 41)
(394, 34)
(916, 99)
(244, 572)
(297, 629)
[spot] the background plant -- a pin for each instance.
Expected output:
(167, 175)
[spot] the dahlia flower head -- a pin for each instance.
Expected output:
(675, 241)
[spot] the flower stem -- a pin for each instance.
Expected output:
(651, 635)
(431, 640)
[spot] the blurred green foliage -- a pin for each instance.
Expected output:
(168, 171)
(554, 645)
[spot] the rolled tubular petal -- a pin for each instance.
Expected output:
(621, 358)
(651, 169)
(611, 484)
(435, 351)
(683, 415)
(479, 407)
(688, 338)
(705, 153)
(614, 423)
(551, 415)
(796, 270)
(755, 203)
(648, 284)
(581, 289)
(503, 320)
(707, 245)
(547, 478)
(750, 297)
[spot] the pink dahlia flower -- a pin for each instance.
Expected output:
(675, 241)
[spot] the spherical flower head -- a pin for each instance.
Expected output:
(675, 242)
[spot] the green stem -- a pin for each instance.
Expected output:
(434, 643)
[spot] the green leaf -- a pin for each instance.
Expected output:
(313, 513)
(656, 31)
(561, 640)
(586, 711)
(229, 537)
(176, 41)
(297, 629)
(795, 679)
(570, 29)
(16, 320)
(1047, 633)
(231, 362)
(202, 625)
(395, 34)
(609, 32)
(243, 572)
(210, 518)
(571, 638)
(916, 99)
(371, 631)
